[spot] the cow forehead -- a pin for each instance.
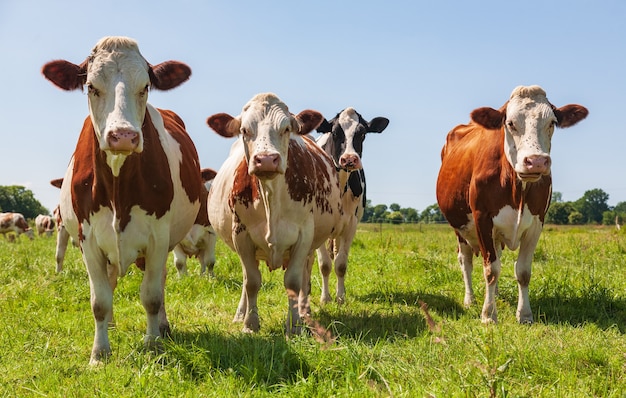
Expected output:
(117, 55)
(530, 105)
(267, 109)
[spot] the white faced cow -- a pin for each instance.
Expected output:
(276, 198)
(44, 224)
(200, 241)
(342, 140)
(132, 188)
(14, 222)
(495, 185)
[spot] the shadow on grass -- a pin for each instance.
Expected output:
(257, 360)
(399, 316)
(591, 304)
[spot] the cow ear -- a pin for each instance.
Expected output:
(57, 182)
(65, 74)
(208, 174)
(224, 124)
(569, 115)
(324, 127)
(377, 125)
(309, 120)
(168, 75)
(489, 118)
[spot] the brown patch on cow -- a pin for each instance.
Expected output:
(307, 175)
(245, 186)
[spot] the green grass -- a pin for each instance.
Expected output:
(384, 344)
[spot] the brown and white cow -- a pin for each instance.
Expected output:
(44, 224)
(276, 198)
(494, 187)
(132, 188)
(14, 222)
(200, 241)
(342, 139)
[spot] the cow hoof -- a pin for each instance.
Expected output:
(325, 299)
(99, 356)
(164, 330)
(341, 299)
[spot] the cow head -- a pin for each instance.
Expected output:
(117, 78)
(265, 125)
(345, 135)
(528, 120)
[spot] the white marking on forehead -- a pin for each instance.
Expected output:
(267, 107)
(348, 119)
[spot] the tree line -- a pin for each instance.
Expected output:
(591, 208)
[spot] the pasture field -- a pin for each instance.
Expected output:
(386, 343)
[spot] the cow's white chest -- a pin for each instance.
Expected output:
(509, 227)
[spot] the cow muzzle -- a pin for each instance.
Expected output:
(350, 162)
(123, 141)
(534, 167)
(265, 165)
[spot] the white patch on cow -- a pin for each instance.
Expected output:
(349, 121)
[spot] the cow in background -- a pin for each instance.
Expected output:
(342, 139)
(495, 184)
(276, 198)
(14, 223)
(44, 224)
(201, 239)
(132, 188)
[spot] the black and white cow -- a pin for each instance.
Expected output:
(342, 139)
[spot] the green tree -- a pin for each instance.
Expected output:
(394, 207)
(559, 212)
(395, 217)
(556, 197)
(432, 214)
(592, 205)
(410, 214)
(576, 218)
(368, 212)
(16, 198)
(380, 213)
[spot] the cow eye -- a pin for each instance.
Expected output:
(511, 125)
(144, 91)
(92, 90)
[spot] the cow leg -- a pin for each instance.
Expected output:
(180, 260)
(523, 268)
(342, 248)
(304, 304)
(112, 274)
(325, 264)
(63, 238)
(491, 272)
(152, 294)
(465, 257)
(101, 303)
(247, 309)
(294, 276)
(207, 256)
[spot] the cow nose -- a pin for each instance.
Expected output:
(266, 162)
(537, 163)
(351, 162)
(123, 140)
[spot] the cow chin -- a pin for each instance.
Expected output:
(529, 177)
(265, 175)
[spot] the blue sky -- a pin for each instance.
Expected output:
(424, 65)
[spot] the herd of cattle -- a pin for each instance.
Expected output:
(134, 189)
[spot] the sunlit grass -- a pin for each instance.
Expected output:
(384, 344)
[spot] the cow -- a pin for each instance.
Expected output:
(63, 237)
(342, 139)
(14, 222)
(276, 198)
(132, 188)
(495, 185)
(200, 241)
(44, 224)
